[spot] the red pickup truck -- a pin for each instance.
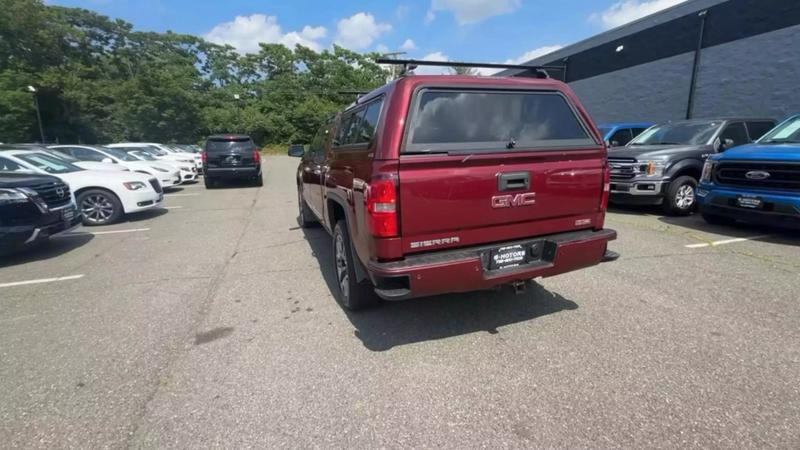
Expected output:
(439, 184)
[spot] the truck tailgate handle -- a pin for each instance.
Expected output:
(512, 181)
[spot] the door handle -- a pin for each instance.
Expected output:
(512, 181)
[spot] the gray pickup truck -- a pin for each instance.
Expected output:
(662, 165)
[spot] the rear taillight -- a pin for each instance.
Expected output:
(382, 207)
(204, 157)
(256, 157)
(606, 187)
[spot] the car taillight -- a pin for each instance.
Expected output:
(256, 157)
(606, 187)
(382, 207)
(204, 157)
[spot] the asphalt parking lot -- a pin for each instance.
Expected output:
(212, 324)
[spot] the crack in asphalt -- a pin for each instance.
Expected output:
(180, 347)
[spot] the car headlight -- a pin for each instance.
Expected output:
(160, 169)
(654, 168)
(9, 196)
(134, 185)
(708, 169)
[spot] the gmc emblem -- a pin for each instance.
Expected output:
(511, 201)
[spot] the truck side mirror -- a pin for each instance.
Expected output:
(728, 143)
(107, 160)
(296, 150)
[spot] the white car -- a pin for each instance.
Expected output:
(187, 170)
(88, 165)
(176, 149)
(102, 196)
(166, 174)
(162, 152)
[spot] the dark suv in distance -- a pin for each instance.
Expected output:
(231, 157)
(32, 209)
(438, 184)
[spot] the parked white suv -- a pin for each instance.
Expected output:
(102, 196)
(188, 166)
(166, 174)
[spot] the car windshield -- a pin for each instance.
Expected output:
(679, 133)
(119, 154)
(152, 149)
(62, 156)
(47, 163)
(145, 156)
(786, 133)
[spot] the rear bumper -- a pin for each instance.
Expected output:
(779, 209)
(231, 172)
(466, 270)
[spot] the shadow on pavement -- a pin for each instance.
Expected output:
(148, 214)
(393, 324)
(51, 248)
(735, 229)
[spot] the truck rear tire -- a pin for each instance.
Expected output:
(350, 293)
(681, 196)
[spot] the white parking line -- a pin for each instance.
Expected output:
(180, 195)
(41, 280)
(96, 233)
(726, 241)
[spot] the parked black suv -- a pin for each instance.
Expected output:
(229, 157)
(662, 166)
(33, 208)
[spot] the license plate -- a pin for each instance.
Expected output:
(749, 202)
(507, 257)
(67, 214)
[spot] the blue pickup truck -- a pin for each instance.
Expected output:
(758, 183)
(620, 133)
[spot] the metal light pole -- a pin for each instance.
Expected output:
(33, 91)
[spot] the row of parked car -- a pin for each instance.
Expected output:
(46, 190)
(731, 169)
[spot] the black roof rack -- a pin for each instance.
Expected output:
(411, 64)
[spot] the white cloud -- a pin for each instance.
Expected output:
(433, 70)
(429, 17)
(244, 33)
(382, 48)
(401, 12)
(522, 59)
(359, 31)
(408, 45)
(626, 11)
(469, 11)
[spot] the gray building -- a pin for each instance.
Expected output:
(701, 58)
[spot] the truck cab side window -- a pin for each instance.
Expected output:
(621, 137)
(735, 132)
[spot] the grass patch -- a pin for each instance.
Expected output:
(274, 149)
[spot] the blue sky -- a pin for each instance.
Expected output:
(473, 30)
